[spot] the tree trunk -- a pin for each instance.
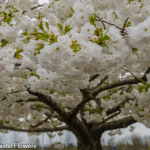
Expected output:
(96, 145)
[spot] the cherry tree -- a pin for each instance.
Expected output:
(77, 65)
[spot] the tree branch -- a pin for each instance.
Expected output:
(99, 84)
(120, 83)
(86, 98)
(82, 114)
(35, 130)
(40, 123)
(110, 117)
(29, 100)
(93, 77)
(124, 25)
(113, 85)
(73, 123)
(101, 21)
(129, 72)
(122, 123)
(107, 23)
(48, 101)
(117, 107)
(53, 116)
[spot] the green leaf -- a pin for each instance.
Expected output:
(134, 50)
(40, 46)
(71, 9)
(141, 88)
(129, 1)
(67, 28)
(106, 37)
(70, 15)
(107, 97)
(98, 31)
(40, 35)
(53, 91)
(47, 25)
(92, 19)
(116, 17)
(76, 50)
(128, 24)
(115, 90)
(41, 25)
(34, 74)
(17, 53)
(145, 83)
(99, 111)
(4, 42)
(25, 33)
(7, 122)
(146, 89)
(60, 26)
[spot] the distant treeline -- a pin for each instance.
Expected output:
(134, 142)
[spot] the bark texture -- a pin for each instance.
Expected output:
(96, 145)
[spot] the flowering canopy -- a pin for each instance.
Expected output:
(66, 59)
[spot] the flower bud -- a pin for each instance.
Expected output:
(95, 38)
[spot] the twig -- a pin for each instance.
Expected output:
(40, 123)
(124, 25)
(93, 77)
(130, 72)
(99, 84)
(101, 21)
(108, 23)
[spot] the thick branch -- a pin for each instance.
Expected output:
(120, 83)
(86, 98)
(82, 114)
(122, 123)
(29, 100)
(114, 85)
(73, 123)
(35, 130)
(48, 101)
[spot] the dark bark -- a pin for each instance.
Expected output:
(96, 145)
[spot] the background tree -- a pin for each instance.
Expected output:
(61, 66)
